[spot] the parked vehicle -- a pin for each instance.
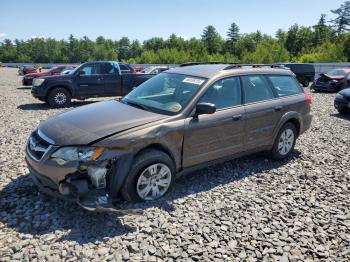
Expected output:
(138, 69)
(24, 70)
(28, 78)
(334, 80)
(178, 121)
(93, 79)
(305, 73)
(342, 101)
(154, 69)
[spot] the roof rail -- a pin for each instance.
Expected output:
(235, 66)
(205, 63)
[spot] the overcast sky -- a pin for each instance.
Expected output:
(141, 20)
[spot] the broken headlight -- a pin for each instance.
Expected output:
(78, 153)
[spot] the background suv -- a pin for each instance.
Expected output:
(180, 120)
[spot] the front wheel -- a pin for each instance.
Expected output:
(59, 97)
(285, 142)
(150, 178)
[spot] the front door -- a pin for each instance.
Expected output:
(211, 137)
(90, 82)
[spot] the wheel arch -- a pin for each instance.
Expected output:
(290, 117)
(159, 147)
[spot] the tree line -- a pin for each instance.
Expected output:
(327, 41)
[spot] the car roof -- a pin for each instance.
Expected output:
(211, 70)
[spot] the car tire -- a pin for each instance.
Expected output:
(59, 97)
(141, 184)
(284, 142)
(341, 110)
(306, 83)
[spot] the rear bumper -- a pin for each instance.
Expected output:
(307, 119)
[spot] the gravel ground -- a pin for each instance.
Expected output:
(247, 209)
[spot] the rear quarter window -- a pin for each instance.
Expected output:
(285, 85)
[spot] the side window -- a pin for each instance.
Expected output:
(89, 69)
(224, 93)
(124, 68)
(285, 85)
(107, 69)
(349, 76)
(256, 88)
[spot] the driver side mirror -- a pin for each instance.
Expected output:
(205, 109)
(81, 72)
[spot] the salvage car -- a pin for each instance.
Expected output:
(342, 101)
(178, 121)
(28, 78)
(333, 81)
(24, 70)
(92, 79)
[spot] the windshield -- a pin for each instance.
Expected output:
(336, 72)
(165, 93)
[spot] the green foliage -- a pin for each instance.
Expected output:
(323, 42)
(342, 21)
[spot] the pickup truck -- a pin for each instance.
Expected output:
(91, 79)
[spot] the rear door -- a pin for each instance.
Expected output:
(112, 79)
(211, 137)
(91, 82)
(263, 110)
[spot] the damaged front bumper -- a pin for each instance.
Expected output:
(82, 182)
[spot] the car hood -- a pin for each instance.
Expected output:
(332, 77)
(345, 92)
(37, 74)
(96, 121)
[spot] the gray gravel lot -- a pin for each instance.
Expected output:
(250, 209)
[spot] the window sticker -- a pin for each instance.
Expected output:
(192, 80)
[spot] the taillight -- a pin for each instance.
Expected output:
(308, 99)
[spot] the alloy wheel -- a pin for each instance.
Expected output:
(154, 181)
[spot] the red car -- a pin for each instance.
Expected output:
(335, 80)
(23, 70)
(28, 79)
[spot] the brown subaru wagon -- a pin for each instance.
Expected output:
(180, 120)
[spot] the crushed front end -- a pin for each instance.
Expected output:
(75, 173)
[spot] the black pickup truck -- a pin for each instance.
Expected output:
(92, 79)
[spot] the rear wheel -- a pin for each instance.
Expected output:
(285, 142)
(306, 83)
(150, 178)
(59, 97)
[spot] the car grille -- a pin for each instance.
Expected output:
(38, 146)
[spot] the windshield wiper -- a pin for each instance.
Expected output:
(134, 104)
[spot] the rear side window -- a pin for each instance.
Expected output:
(107, 68)
(256, 88)
(224, 93)
(285, 85)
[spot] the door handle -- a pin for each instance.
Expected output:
(278, 108)
(236, 117)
